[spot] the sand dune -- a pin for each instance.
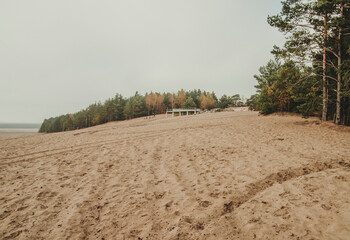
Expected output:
(211, 176)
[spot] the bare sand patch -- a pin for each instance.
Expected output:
(229, 175)
(10, 134)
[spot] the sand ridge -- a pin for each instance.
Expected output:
(230, 175)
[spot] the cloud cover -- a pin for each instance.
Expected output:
(60, 56)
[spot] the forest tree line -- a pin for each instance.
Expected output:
(311, 72)
(120, 108)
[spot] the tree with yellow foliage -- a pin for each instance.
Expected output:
(180, 98)
(154, 102)
(207, 101)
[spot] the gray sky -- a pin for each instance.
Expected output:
(58, 57)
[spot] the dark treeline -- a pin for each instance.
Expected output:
(310, 74)
(120, 108)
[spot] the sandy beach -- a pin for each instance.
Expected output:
(8, 133)
(229, 175)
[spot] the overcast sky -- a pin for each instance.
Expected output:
(57, 57)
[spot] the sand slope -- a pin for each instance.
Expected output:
(210, 176)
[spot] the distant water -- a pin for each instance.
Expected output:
(20, 125)
(18, 129)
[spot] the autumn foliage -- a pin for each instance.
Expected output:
(120, 108)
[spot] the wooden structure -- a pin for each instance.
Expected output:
(182, 111)
(241, 109)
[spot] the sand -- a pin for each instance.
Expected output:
(230, 175)
(10, 134)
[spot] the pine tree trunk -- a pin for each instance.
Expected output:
(325, 82)
(337, 118)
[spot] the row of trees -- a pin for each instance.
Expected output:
(120, 108)
(310, 73)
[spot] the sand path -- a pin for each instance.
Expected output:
(211, 176)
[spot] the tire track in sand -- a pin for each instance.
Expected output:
(281, 176)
